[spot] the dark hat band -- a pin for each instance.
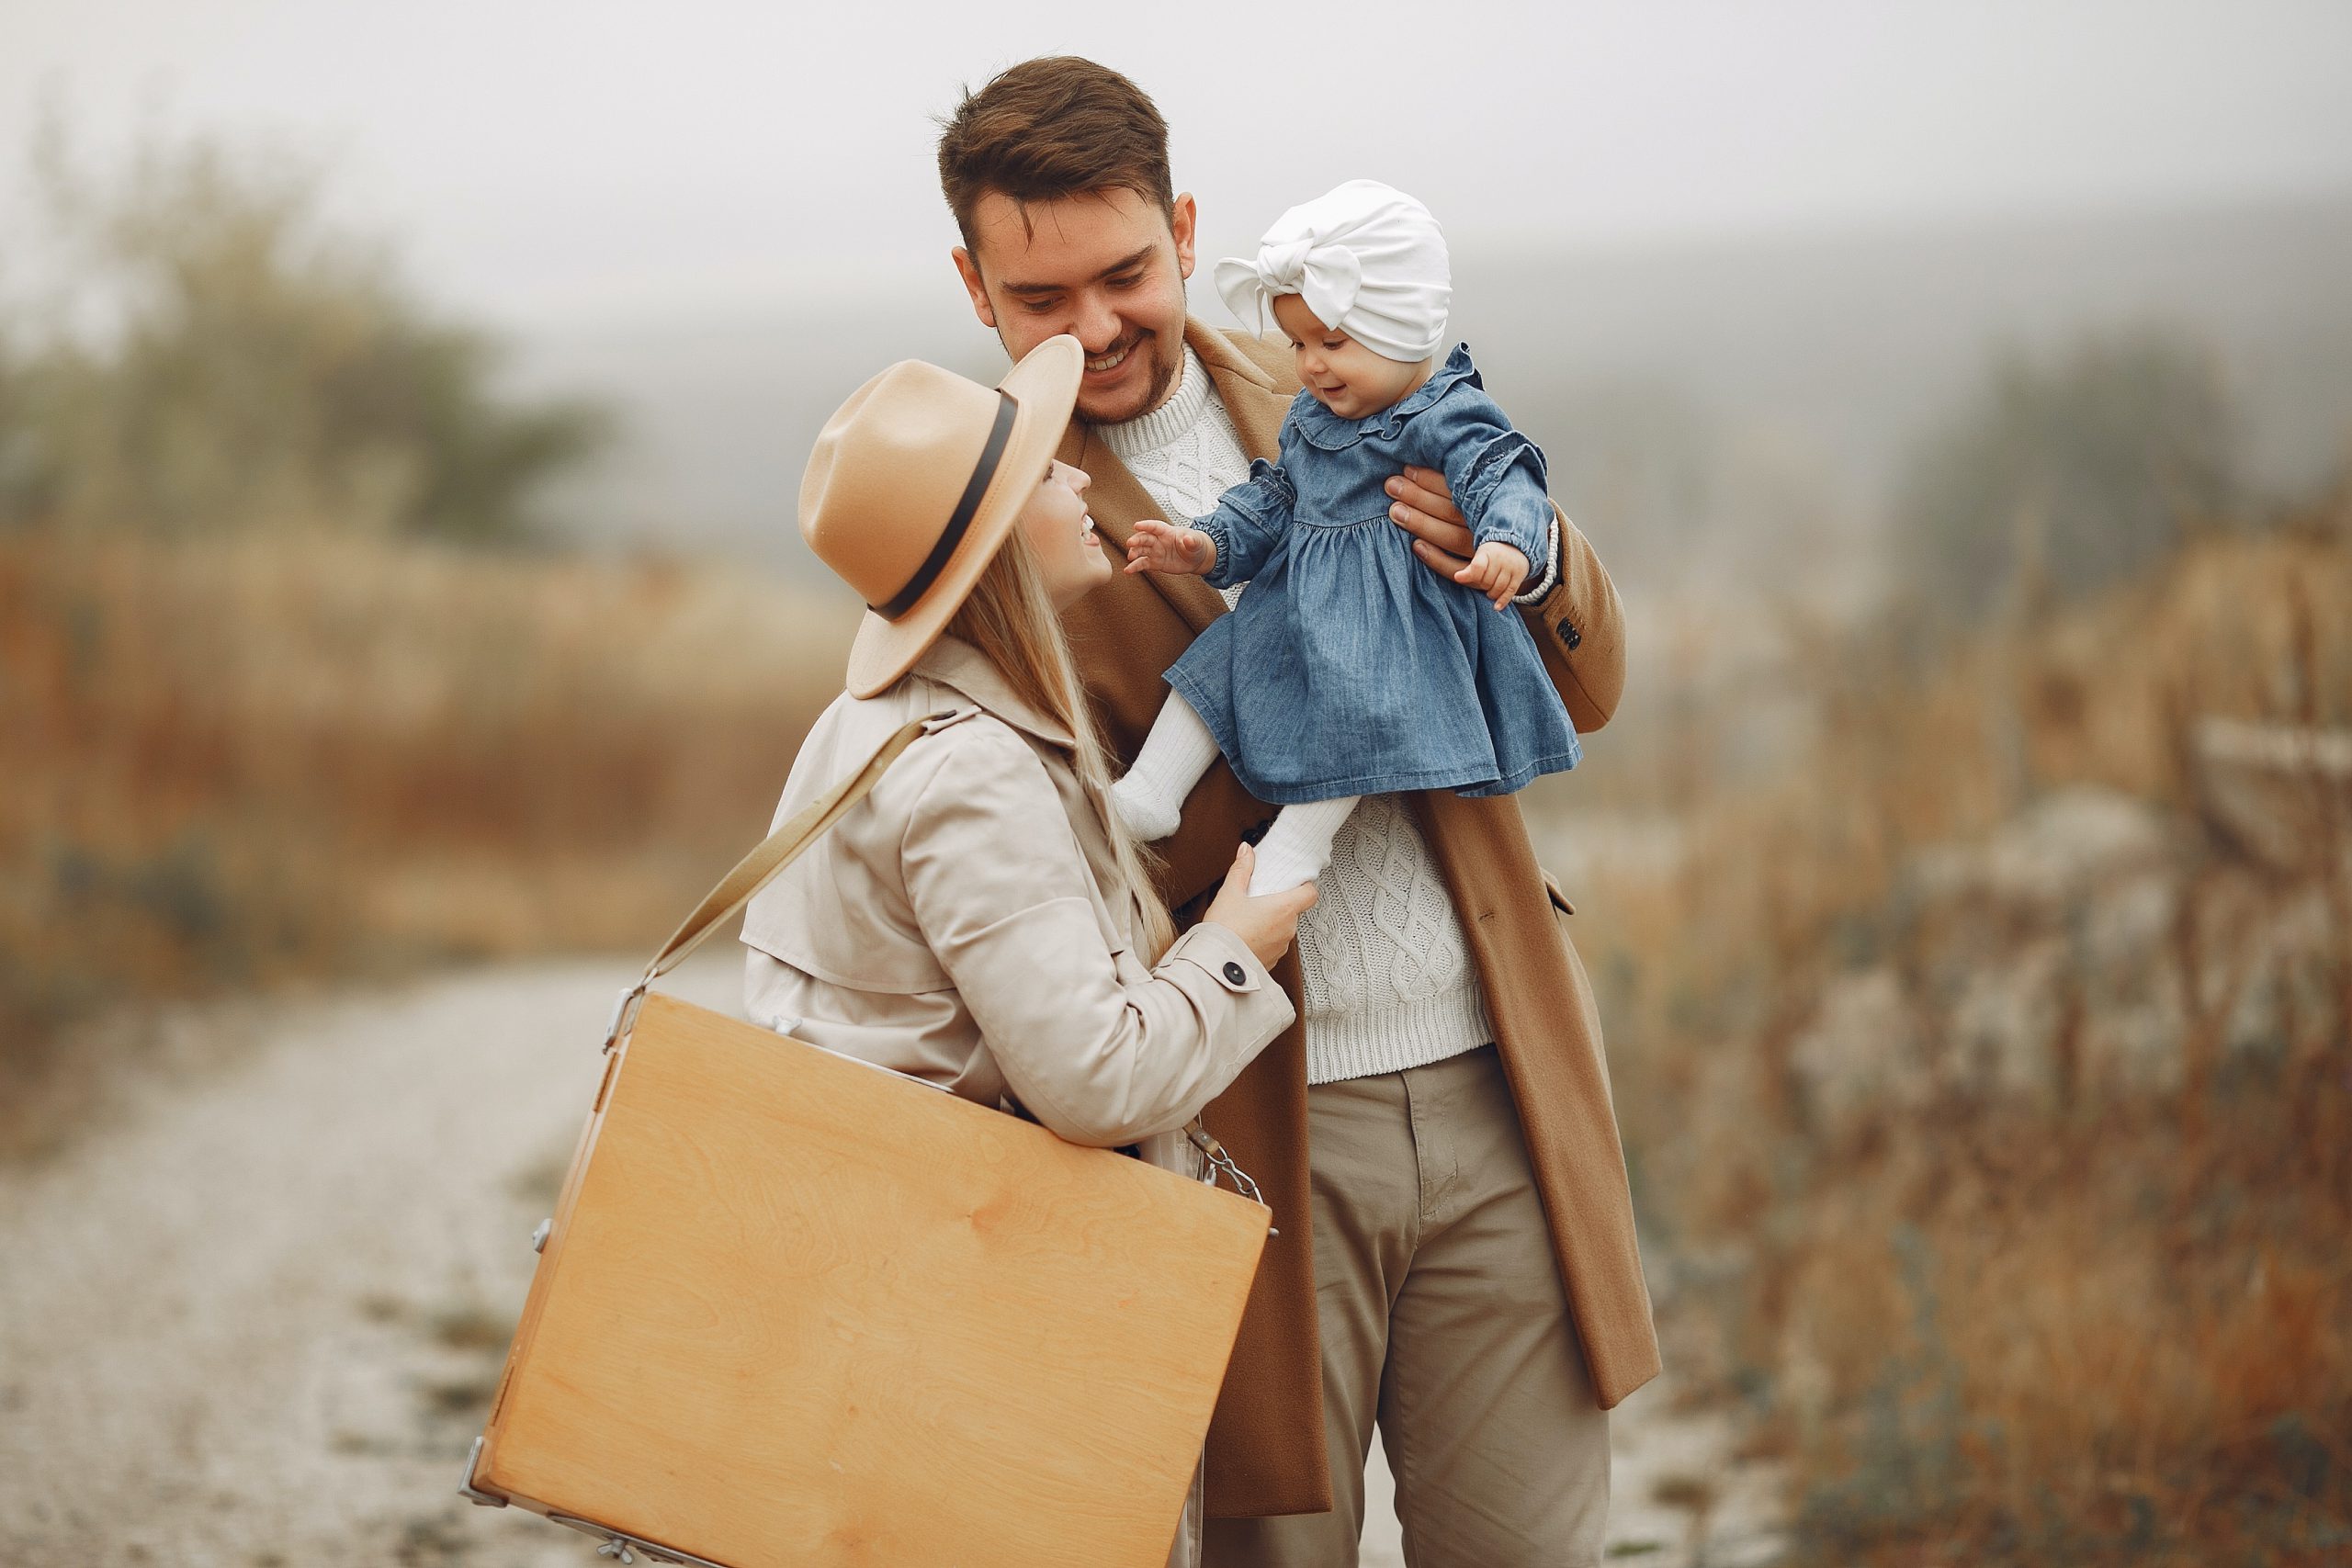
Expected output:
(968, 504)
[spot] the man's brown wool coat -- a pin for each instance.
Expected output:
(1265, 1445)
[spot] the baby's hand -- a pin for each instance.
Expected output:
(1155, 545)
(1497, 570)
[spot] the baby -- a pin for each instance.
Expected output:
(1347, 668)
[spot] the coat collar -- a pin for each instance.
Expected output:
(1251, 397)
(956, 664)
(1118, 500)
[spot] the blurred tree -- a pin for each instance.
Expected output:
(17, 464)
(219, 357)
(2061, 474)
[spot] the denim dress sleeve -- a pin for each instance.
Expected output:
(1496, 474)
(1249, 520)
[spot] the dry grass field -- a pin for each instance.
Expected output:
(1979, 1018)
(234, 762)
(1984, 1052)
(1977, 976)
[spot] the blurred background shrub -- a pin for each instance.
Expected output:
(218, 357)
(272, 704)
(1983, 1048)
(2068, 472)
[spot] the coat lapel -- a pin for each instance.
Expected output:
(1257, 404)
(1117, 498)
(960, 666)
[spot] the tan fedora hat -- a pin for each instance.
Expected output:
(916, 481)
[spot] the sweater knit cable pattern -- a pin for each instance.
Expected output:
(1388, 980)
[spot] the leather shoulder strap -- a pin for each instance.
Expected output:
(781, 848)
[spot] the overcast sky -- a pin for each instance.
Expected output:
(544, 163)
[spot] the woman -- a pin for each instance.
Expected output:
(981, 919)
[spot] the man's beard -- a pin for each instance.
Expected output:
(1163, 381)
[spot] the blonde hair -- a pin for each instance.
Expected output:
(1010, 619)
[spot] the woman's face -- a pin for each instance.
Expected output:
(1063, 536)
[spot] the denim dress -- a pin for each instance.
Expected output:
(1349, 668)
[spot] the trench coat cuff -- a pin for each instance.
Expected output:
(1262, 1010)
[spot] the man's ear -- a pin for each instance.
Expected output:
(969, 271)
(1180, 218)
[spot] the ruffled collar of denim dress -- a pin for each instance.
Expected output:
(1328, 431)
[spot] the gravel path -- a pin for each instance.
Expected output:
(253, 1319)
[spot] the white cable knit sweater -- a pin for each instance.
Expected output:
(1389, 983)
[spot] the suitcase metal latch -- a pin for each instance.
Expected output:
(1221, 1164)
(623, 1014)
(619, 1546)
(481, 1498)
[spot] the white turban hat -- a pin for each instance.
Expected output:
(1366, 258)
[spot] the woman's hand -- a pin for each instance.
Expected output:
(1266, 924)
(1155, 545)
(1497, 570)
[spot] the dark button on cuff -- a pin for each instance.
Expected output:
(1569, 635)
(1233, 972)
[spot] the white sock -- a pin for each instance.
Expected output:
(1298, 846)
(1175, 754)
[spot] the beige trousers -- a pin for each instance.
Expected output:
(1442, 1319)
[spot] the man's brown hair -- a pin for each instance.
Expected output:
(1052, 128)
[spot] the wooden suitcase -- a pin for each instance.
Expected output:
(796, 1309)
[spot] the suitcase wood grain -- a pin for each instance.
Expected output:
(796, 1310)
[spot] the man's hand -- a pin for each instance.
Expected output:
(1497, 570)
(1423, 507)
(1155, 545)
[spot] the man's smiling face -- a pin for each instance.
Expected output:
(1105, 266)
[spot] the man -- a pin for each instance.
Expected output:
(1441, 1115)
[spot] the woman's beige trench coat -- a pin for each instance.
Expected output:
(967, 923)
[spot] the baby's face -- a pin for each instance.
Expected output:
(1345, 377)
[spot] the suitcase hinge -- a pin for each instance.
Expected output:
(481, 1498)
(623, 1015)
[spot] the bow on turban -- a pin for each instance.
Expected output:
(1366, 258)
